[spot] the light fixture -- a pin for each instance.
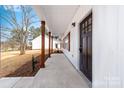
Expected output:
(73, 24)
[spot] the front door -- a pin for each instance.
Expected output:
(86, 46)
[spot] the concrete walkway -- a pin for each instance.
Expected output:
(59, 73)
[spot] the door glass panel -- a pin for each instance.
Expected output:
(90, 20)
(89, 28)
(86, 24)
(83, 25)
(85, 30)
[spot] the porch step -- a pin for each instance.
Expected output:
(8, 82)
(24, 82)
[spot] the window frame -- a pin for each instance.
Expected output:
(67, 37)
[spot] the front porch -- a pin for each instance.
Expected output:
(59, 72)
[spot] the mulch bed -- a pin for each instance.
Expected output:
(26, 69)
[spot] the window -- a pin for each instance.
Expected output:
(66, 42)
(56, 45)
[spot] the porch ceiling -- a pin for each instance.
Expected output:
(57, 17)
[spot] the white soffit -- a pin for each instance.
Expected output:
(40, 14)
(58, 17)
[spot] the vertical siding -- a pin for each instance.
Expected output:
(105, 47)
(121, 43)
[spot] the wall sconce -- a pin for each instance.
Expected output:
(73, 24)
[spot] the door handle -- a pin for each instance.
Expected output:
(80, 49)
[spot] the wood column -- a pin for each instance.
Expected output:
(42, 65)
(49, 43)
(52, 44)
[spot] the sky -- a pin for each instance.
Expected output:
(4, 12)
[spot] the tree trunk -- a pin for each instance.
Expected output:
(22, 49)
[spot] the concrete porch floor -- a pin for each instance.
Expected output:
(58, 73)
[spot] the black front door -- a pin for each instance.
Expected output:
(86, 46)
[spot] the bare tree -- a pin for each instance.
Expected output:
(19, 27)
(35, 31)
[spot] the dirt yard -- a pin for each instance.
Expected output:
(13, 65)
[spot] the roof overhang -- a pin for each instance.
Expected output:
(57, 17)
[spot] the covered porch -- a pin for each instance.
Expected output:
(57, 70)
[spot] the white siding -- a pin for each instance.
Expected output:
(121, 43)
(108, 44)
(105, 47)
(36, 43)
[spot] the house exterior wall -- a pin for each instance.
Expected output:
(108, 44)
(36, 43)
